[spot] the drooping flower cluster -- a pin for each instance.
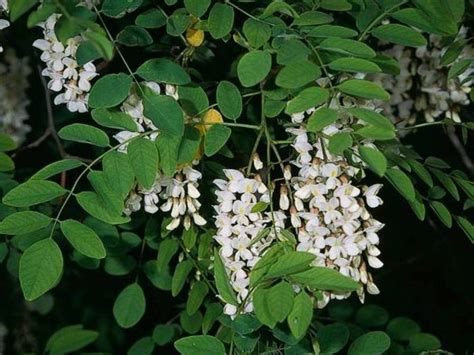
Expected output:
(329, 212)
(179, 194)
(3, 23)
(237, 230)
(14, 82)
(435, 95)
(70, 80)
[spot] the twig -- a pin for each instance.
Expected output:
(457, 144)
(49, 110)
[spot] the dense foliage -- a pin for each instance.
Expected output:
(203, 177)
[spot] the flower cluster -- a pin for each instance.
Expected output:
(3, 23)
(70, 80)
(14, 73)
(179, 193)
(329, 212)
(237, 230)
(435, 94)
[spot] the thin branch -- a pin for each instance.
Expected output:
(457, 144)
(49, 110)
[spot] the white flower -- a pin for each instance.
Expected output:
(371, 197)
(70, 80)
(237, 228)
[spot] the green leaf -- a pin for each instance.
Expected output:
(6, 143)
(376, 133)
(168, 147)
(114, 119)
(297, 74)
(216, 138)
(83, 239)
(336, 5)
(96, 207)
(372, 118)
(292, 50)
(200, 344)
(179, 277)
(222, 281)
(418, 207)
(374, 159)
(134, 36)
(82, 133)
(118, 8)
(447, 182)
(56, 168)
(196, 296)
(347, 47)
(193, 99)
(163, 70)
(401, 182)
(416, 18)
(301, 315)
(144, 160)
(197, 7)
(87, 52)
(312, 18)
(306, 99)
(399, 34)
(110, 90)
(439, 15)
(70, 339)
(229, 100)
(322, 278)
(143, 346)
(118, 172)
(321, 119)
(165, 113)
(290, 263)
(452, 52)
(401, 328)
(253, 67)
(220, 20)
(259, 207)
(370, 343)
(129, 307)
(190, 145)
(256, 32)
(261, 308)
(333, 338)
(364, 88)
(421, 171)
(163, 334)
(101, 43)
(355, 65)
(339, 142)
(6, 163)
(20, 7)
(466, 226)
(152, 18)
(24, 222)
(32, 193)
(168, 248)
(442, 212)
(41, 267)
(458, 68)
(423, 342)
(280, 300)
(326, 31)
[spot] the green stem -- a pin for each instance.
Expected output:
(254, 150)
(88, 167)
(427, 124)
(379, 18)
(248, 14)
